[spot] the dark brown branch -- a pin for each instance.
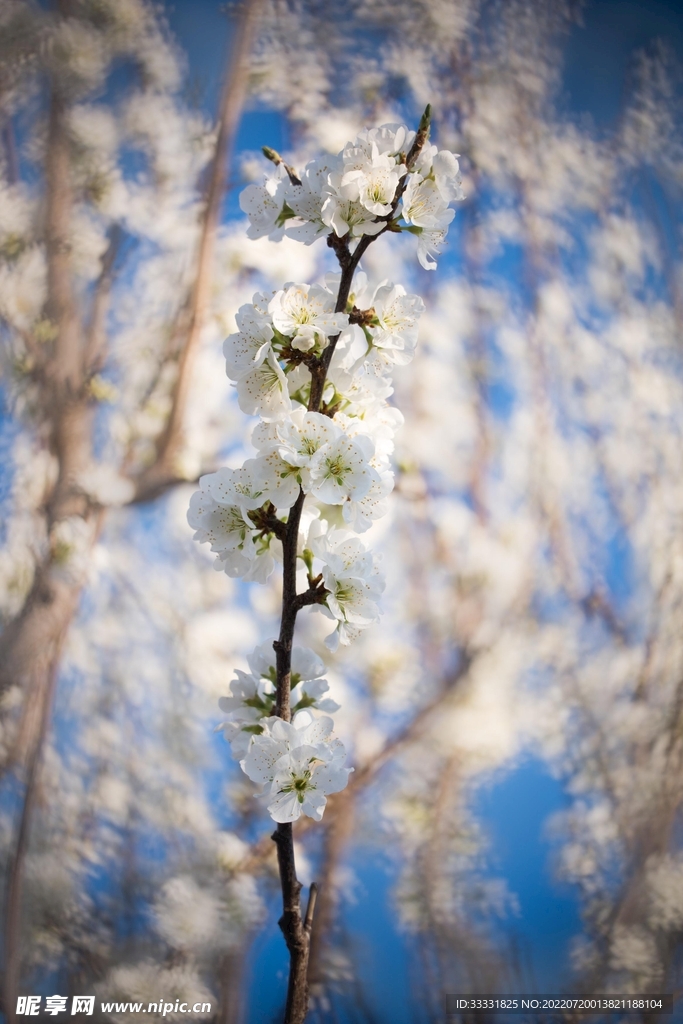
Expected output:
(297, 936)
(316, 594)
(283, 645)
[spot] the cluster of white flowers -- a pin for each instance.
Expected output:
(252, 694)
(298, 763)
(341, 459)
(356, 192)
(323, 441)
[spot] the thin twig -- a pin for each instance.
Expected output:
(310, 909)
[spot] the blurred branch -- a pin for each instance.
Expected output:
(193, 316)
(9, 145)
(15, 868)
(411, 732)
(96, 334)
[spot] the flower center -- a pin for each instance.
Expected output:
(299, 785)
(309, 445)
(269, 379)
(343, 593)
(337, 469)
(233, 521)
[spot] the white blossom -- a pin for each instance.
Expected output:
(253, 567)
(353, 581)
(264, 204)
(388, 138)
(371, 180)
(240, 549)
(252, 694)
(345, 215)
(281, 482)
(380, 422)
(250, 700)
(306, 314)
(398, 315)
(250, 346)
(263, 391)
(291, 446)
(243, 487)
(446, 171)
(362, 513)
(303, 435)
(306, 201)
(429, 245)
(424, 206)
(297, 767)
(342, 470)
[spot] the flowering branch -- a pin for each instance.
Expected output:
(315, 367)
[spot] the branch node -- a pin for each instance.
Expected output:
(362, 317)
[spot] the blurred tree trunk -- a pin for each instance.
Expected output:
(31, 646)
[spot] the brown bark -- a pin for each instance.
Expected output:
(31, 646)
(31, 643)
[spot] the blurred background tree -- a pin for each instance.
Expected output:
(534, 551)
